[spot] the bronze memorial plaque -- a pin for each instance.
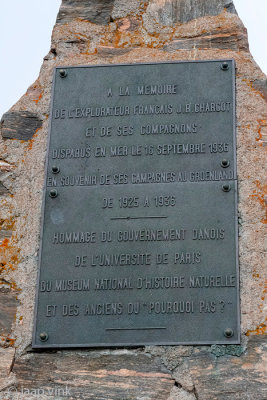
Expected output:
(139, 226)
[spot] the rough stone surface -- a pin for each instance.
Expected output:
(231, 377)
(3, 189)
(182, 376)
(20, 125)
(96, 375)
(169, 12)
(4, 235)
(235, 42)
(261, 85)
(181, 394)
(123, 8)
(97, 11)
(8, 308)
(6, 377)
(120, 31)
(171, 356)
(233, 350)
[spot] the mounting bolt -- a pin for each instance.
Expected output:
(224, 66)
(228, 332)
(43, 336)
(53, 193)
(63, 73)
(55, 169)
(226, 187)
(225, 163)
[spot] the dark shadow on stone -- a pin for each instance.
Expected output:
(186, 10)
(97, 11)
(20, 125)
(3, 190)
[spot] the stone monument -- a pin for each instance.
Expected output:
(133, 209)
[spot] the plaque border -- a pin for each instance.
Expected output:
(136, 344)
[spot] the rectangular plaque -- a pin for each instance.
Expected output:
(139, 229)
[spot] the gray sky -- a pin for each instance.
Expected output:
(25, 32)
